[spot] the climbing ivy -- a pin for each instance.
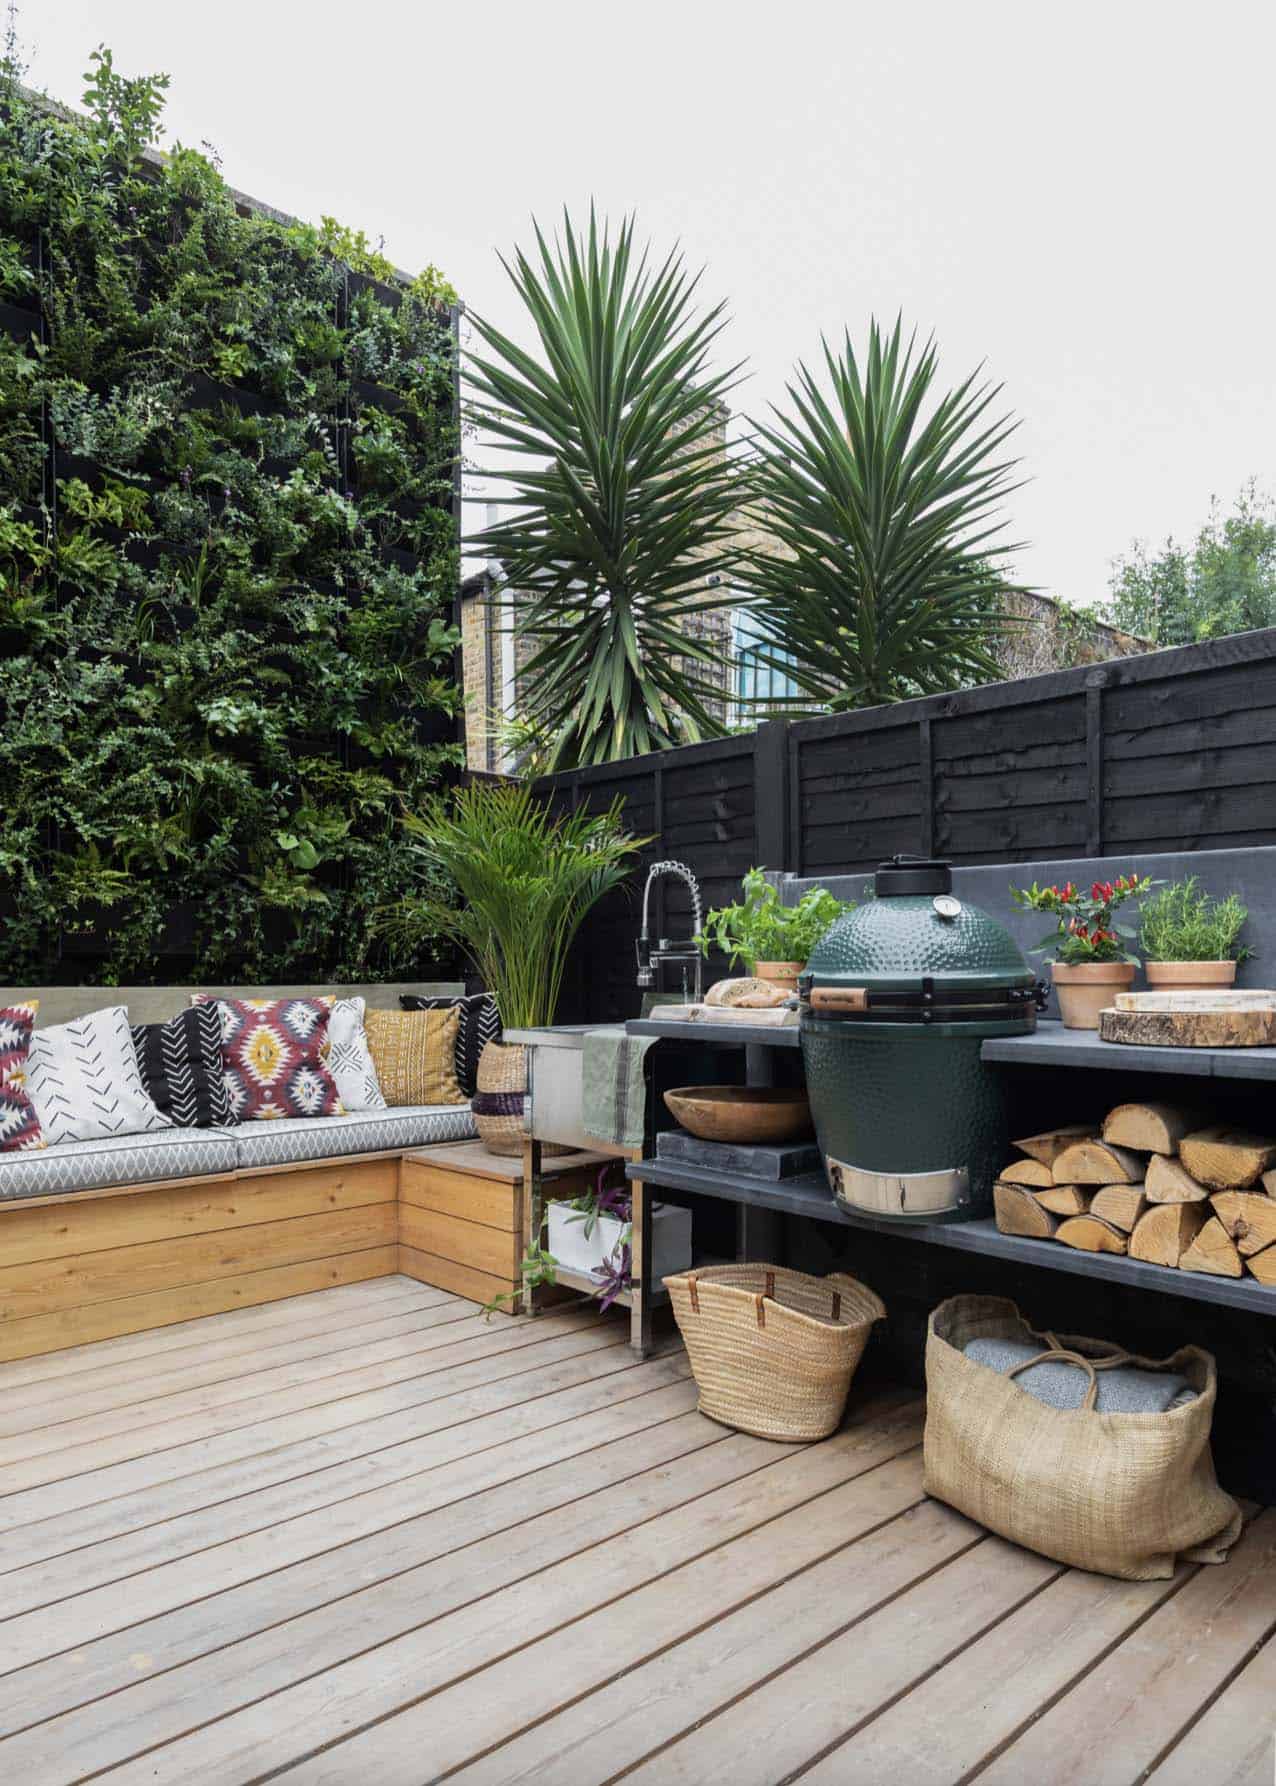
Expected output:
(227, 562)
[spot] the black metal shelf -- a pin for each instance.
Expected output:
(744, 1035)
(808, 1195)
(1051, 1045)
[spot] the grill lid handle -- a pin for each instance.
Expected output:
(839, 998)
(905, 874)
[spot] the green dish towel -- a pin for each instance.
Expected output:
(614, 1087)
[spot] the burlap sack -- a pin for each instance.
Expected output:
(1122, 1494)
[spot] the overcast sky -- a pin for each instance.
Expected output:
(1079, 196)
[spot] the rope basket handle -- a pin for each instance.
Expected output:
(1057, 1354)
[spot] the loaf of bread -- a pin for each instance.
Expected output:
(747, 994)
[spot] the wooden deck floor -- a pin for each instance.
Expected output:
(363, 1538)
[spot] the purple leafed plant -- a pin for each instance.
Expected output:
(614, 1276)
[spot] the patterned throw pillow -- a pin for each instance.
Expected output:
(415, 1056)
(272, 1056)
(85, 1083)
(349, 1060)
(181, 1064)
(19, 1124)
(479, 1022)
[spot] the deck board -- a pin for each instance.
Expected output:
(366, 1536)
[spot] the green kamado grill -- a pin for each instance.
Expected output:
(896, 1000)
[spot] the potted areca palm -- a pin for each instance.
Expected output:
(525, 877)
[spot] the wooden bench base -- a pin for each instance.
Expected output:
(90, 1265)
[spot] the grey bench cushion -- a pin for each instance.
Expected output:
(319, 1137)
(194, 1153)
(117, 1159)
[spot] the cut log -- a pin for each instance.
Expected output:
(1164, 1232)
(1095, 1162)
(1065, 1199)
(1046, 1146)
(1213, 1251)
(1018, 1212)
(1249, 1217)
(1263, 1265)
(1155, 1128)
(1120, 1204)
(1030, 1172)
(1168, 1182)
(1090, 1235)
(1190, 1029)
(1227, 1159)
(1269, 1183)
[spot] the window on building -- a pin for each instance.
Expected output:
(758, 678)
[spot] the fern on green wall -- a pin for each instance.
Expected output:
(228, 564)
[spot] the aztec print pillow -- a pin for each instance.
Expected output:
(181, 1065)
(19, 1124)
(349, 1060)
(272, 1056)
(85, 1083)
(478, 1023)
(415, 1055)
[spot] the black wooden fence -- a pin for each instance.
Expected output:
(1175, 750)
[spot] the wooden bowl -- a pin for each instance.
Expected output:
(742, 1113)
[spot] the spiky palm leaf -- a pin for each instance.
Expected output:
(618, 511)
(882, 579)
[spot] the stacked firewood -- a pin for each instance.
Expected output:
(1152, 1183)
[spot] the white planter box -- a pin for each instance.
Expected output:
(670, 1239)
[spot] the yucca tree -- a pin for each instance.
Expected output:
(617, 516)
(883, 577)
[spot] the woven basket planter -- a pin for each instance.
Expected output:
(499, 1104)
(500, 1097)
(773, 1351)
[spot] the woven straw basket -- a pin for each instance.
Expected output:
(500, 1097)
(1122, 1494)
(773, 1351)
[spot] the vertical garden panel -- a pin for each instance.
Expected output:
(228, 566)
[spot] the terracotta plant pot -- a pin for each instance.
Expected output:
(780, 973)
(1173, 975)
(1088, 988)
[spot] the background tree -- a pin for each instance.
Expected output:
(618, 512)
(1225, 582)
(884, 580)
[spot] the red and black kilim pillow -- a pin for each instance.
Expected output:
(19, 1123)
(272, 1057)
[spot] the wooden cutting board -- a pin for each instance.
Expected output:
(1238, 998)
(1230, 1019)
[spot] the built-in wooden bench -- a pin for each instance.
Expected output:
(88, 1265)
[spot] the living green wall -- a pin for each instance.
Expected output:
(228, 564)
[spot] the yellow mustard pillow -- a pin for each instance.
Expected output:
(414, 1053)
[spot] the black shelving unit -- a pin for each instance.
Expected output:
(1051, 1046)
(809, 1196)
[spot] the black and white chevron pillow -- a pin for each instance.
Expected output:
(181, 1066)
(85, 1083)
(478, 1024)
